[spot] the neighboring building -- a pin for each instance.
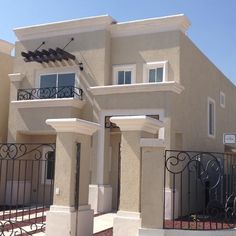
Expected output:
(145, 67)
(6, 67)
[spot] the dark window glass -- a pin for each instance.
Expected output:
(121, 77)
(128, 77)
(152, 75)
(50, 165)
(211, 119)
(159, 74)
(66, 83)
(53, 86)
(48, 85)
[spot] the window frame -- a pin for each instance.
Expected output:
(51, 71)
(154, 65)
(211, 101)
(127, 67)
(57, 73)
(222, 94)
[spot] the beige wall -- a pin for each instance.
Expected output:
(6, 67)
(140, 49)
(201, 80)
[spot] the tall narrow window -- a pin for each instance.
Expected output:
(48, 166)
(211, 117)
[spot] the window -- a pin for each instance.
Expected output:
(48, 168)
(124, 74)
(57, 85)
(222, 99)
(211, 117)
(155, 72)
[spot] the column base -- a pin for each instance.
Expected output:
(169, 204)
(85, 221)
(100, 198)
(151, 232)
(61, 221)
(126, 223)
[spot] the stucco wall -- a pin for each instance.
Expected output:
(6, 67)
(140, 49)
(201, 79)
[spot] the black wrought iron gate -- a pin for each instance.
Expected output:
(26, 187)
(200, 190)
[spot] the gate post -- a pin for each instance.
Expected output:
(128, 219)
(152, 188)
(70, 214)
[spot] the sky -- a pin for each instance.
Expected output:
(213, 22)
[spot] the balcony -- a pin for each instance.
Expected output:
(50, 93)
(32, 107)
(67, 96)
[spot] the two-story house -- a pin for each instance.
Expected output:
(96, 68)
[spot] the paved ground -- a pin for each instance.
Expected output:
(32, 220)
(103, 222)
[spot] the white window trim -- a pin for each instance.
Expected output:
(222, 104)
(129, 67)
(154, 65)
(43, 180)
(51, 71)
(211, 100)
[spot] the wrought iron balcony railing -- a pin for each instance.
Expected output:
(50, 93)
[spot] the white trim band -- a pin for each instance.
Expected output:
(170, 86)
(16, 77)
(54, 102)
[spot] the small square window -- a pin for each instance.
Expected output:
(222, 99)
(124, 74)
(155, 72)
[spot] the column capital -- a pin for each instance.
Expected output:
(16, 77)
(137, 123)
(73, 125)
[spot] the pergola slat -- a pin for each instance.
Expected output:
(46, 56)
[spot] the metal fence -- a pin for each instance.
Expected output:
(200, 190)
(26, 187)
(50, 93)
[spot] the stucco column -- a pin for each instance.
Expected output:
(152, 186)
(100, 191)
(70, 213)
(15, 84)
(128, 219)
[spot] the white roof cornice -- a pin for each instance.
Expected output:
(64, 27)
(144, 26)
(151, 25)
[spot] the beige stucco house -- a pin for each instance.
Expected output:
(6, 67)
(149, 70)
